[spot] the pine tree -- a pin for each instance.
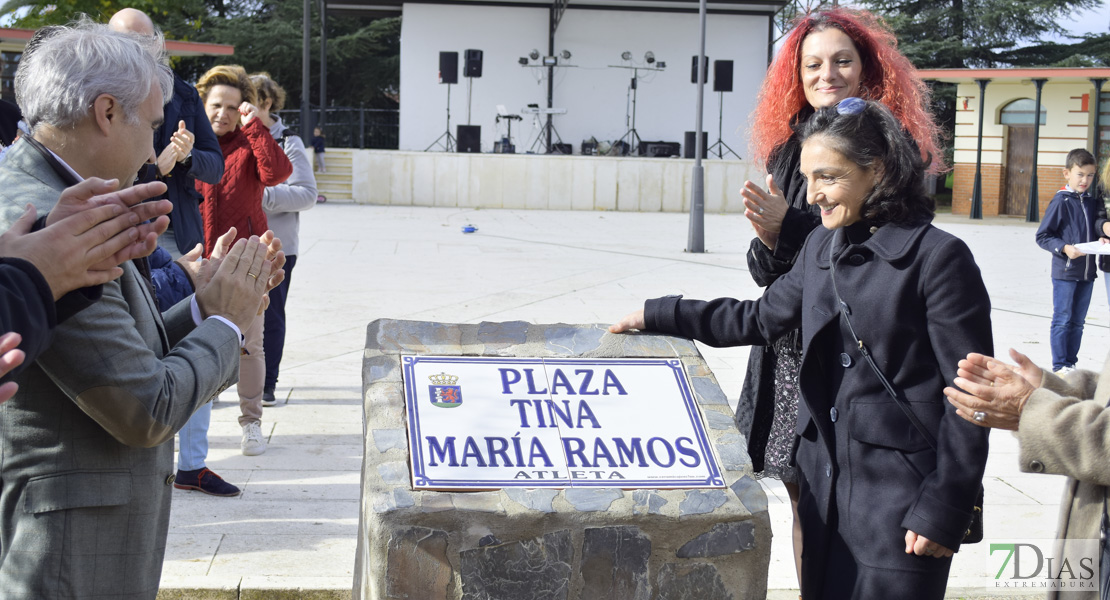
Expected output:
(986, 33)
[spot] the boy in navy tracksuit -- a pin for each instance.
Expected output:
(1070, 219)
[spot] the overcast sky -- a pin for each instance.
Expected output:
(1095, 20)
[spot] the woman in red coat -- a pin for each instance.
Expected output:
(252, 161)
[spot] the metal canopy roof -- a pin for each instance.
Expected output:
(392, 7)
(1055, 74)
(13, 40)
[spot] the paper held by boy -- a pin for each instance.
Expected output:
(1096, 247)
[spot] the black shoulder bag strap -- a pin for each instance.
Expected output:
(902, 404)
(975, 532)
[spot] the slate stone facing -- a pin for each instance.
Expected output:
(649, 501)
(591, 499)
(390, 439)
(692, 582)
(538, 569)
(418, 565)
(724, 538)
(699, 502)
(708, 391)
(547, 544)
(718, 420)
(539, 499)
(755, 502)
(509, 333)
(614, 564)
(732, 450)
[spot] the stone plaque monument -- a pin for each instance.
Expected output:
(486, 534)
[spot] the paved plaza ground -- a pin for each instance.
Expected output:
(293, 530)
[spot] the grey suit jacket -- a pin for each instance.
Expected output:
(86, 446)
(1065, 430)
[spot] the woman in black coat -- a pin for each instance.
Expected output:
(827, 56)
(881, 511)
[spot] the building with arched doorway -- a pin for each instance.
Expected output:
(1018, 151)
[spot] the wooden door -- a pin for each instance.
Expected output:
(1019, 169)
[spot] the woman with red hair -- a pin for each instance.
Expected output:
(827, 56)
(252, 162)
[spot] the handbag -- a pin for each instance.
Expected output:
(974, 532)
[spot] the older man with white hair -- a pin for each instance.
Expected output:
(86, 467)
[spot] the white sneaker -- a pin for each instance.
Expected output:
(253, 443)
(1064, 370)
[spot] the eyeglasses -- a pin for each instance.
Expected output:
(851, 106)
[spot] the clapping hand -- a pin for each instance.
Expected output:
(149, 217)
(10, 358)
(179, 148)
(766, 210)
(992, 393)
(87, 236)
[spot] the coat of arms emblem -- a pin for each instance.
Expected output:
(443, 391)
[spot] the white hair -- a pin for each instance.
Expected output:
(61, 75)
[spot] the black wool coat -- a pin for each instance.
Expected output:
(917, 301)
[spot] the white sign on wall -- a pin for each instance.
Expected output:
(483, 423)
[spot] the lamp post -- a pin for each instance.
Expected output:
(1033, 211)
(695, 241)
(306, 75)
(977, 189)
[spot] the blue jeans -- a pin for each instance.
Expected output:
(192, 440)
(1070, 300)
(274, 339)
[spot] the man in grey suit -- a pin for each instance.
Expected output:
(86, 445)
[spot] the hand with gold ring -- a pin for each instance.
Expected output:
(766, 209)
(237, 290)
(991, 393)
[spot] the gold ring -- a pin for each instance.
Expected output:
(255, 275)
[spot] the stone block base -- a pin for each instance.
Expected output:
(550, 544)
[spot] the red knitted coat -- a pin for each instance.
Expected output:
(252, 162)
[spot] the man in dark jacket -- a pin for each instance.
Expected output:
(187, 149)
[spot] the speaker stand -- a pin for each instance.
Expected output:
(632, 136)
(543, 141)
(446, 140)
(720, 144)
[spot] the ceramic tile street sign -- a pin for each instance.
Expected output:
(484, 423)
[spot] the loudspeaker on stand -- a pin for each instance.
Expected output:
(473, 63)
(694, 70)
(722, 76)
(448, 67)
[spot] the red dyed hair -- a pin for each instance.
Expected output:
(887, 76)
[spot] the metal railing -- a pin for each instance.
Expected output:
(350, 127)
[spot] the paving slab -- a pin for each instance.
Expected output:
(292, 532)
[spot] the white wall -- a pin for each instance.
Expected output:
(594, 95)
(390, 177)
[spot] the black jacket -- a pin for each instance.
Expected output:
(918, 302)
(27, 307)
(766, 265)
(1070, 219)
(205, 163)
(755, 412)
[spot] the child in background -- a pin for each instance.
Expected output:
(318, 148)
(1069, 220)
